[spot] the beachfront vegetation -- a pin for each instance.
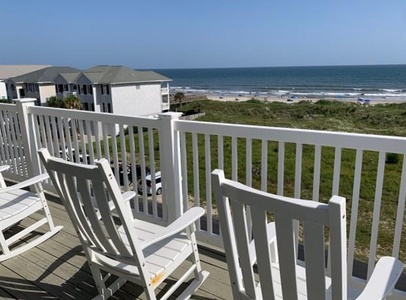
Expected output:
(387, 119)
(69, 102)
(179, 96)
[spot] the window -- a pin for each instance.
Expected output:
(60, 89)
(75, 87)
(90, 89)
(36, 87)
(65, 87)
(84, 90)
(109, 107)
(105, 90)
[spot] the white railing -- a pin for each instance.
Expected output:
(132, 145)
(13, 143)
(272, 159)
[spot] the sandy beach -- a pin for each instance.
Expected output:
(285, 99)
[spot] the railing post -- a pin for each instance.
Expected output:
(27, 133)
(169, 149)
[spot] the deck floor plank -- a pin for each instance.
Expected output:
(57, 269)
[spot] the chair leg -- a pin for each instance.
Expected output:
(3, 244)
(150, 293)
(194, 258)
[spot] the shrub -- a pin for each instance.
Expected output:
(392, 158)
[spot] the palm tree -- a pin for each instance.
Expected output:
(72, 102)
(55, 102)
(179, 97)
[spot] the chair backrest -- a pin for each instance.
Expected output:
(233, 200)
(81, 187)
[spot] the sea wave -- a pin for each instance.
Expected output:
(344, 93)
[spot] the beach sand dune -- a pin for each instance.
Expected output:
(298, 99)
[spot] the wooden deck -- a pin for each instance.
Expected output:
(57, 269)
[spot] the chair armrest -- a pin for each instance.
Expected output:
(382, 282)
(25, 183)
(128, 195)
(4, 167)
(2, 182)
(178, 225)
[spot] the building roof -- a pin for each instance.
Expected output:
(70, 77)
(46, 75)
(119, 74)
(8, 71)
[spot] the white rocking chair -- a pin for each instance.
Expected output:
(287, 278)
(16, 204)
(134, 250)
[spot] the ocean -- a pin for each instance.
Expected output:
(371, 81)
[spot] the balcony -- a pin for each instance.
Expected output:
(185, 152)
(164, 91)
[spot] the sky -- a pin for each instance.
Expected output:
(158, 34)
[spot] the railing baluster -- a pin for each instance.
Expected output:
(400, 211)
(106, 141)
(183, 162)
(196, 173)
(234, 158)
(19, 142)
(152, 164)
(209, 206)
(337, 171)
(123, 158)
(264, 166)
(316, 174)
(97, 139)
(82, 141)
(354, 210)
(144, 181)
(248, 161)
(47, 133)
(13, 143)
(68, 138)
(220, 143)
(3, 140)
(376, 213)
(89, 140)
(62, 144)
(74, 126)
(281, 168)
(54, 136)
(298, 170)
(134, 174)
(114, 155)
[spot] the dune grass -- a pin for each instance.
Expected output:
(323, 115)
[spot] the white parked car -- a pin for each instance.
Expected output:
(158, 184)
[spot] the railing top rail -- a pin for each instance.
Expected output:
(8, 106)
(95, 117)
(304, 136)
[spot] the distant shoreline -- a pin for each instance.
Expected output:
(371, 101)
(287, 99)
